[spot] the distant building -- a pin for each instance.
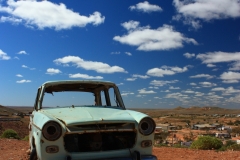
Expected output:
(203, 127)
(167, 127)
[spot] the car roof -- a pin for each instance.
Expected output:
(51, 83)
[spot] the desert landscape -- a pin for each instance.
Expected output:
(180, 119)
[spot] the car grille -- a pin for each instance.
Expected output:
(104, 137)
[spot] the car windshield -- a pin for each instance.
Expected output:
(81, 95)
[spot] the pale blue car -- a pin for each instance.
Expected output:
(83, 120)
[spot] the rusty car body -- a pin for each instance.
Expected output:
(90, 122)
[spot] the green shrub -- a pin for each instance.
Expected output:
(234, 147)
(206, 143)
(26, 138)
(229, 143)
(9, 133)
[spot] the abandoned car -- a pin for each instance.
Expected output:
(75, 120)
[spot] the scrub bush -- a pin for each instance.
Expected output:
(206, 143)
(9, 133)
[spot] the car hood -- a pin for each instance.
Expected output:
(87, 115)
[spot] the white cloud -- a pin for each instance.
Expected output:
(128, 53)
(166, 70)
(22, 52)
(130, 25)
(146, 7)
(146, 39)
(193, 84)
(131, 79)
(189, 55)
(211, 65)
(188, 91)
(16, 58)
(19, 75)
(230, 81)
(193, 11)
(23, 81)
(45, 14)
(218, 89)
(230, 77)
(162, 83)
(12, 20)
(202, 76)
(89, 65)
(126, 93)
(217, 57)
(4, 56)
(171, 87)
(166, 91)
(24, 66)
(140, 76)
(84, 76)
(207, 84)
(235, 66)
(53, 71)
(144, 91)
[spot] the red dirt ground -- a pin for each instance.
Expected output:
(11, 149)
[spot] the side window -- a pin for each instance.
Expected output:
(103, 98)
(112, 97)
(37, 98)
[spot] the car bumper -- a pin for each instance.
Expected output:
(150, 157)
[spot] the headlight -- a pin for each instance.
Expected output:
(146, 126)
(52, 131)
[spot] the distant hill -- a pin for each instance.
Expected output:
(8, 111)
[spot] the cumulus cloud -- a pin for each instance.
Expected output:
(189, 55)
(45, 14)
(188, 91)
(230, 77)
(217, 57)
(22, 52)
(166, 70)
(84, 76)
(192, 12)
(146, 39)
(24, 66)
(23, 81)
(211, 65)
(131, 79)
(146, 7)
(126, 93)
(128, 53)
(89, 65)
(144, 91)
(202, 76)
(4, 56)
(193, 84)
(140, 76)
(171, 87)
(19, 75)
(53, 71)
(162, 83)
(207, 84)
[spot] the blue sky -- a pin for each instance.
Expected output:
(161, 54)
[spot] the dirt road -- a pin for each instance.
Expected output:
(11, 149)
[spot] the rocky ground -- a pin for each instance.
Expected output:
(11, 149)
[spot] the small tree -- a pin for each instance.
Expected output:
(207, 142)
